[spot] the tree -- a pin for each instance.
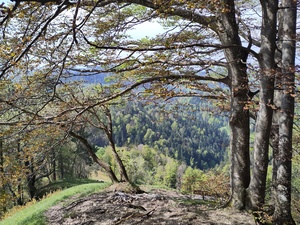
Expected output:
(98, 116)
(90, 150)
(95, 120)
(190, 179)
(237, 76)
(263, 123)
(282, 214)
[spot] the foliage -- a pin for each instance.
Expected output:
(191, 177)
(215, 185)
(144, 165)
(212, 185)
(32, 160)
(200, 142)
(40, 49)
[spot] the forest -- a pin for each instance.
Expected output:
(200, 139)
(215, 90)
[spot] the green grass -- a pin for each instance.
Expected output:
(62, 184)
(33, 214)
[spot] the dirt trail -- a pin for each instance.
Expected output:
(161, 207)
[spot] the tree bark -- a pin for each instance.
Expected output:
(61, 166)
(54, 165)
(109, 134)
(274, 141)
(89, 148)
(274, 135)
(239, 118)
(282, 214)
(1, 157)
(263, 123)
(31, 178)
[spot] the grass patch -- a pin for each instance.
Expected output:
(62, 184)
(33, 212)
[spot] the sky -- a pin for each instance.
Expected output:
(147, 29)
(5, 1)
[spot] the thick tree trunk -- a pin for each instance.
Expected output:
(274, 136)
(282, 213)
(89, 148)
(274, 141)
(263, 123)
(239, 118)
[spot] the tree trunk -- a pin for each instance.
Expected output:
(274, 141)
(239, 118)
(282, 214)
(119, 161)
(263, 123)
(54, 165)
(109, 133)
(1, 158)
(61, 166)
(20, 200)
(2, 184)
(31, 185)
(89, 148)
(31, 178)
(274, 135)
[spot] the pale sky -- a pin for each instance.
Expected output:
(5, 1)
(147, 29)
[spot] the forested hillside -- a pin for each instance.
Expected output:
(195, 137)
(50, 47)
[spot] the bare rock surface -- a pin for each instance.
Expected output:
(157, 206)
